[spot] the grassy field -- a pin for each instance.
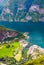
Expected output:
(4, 51)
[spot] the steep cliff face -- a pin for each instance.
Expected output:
(23, 11)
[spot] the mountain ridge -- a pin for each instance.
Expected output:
(23, 12)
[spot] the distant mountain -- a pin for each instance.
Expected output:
(23, 11)
(9, 35)
(36, 11)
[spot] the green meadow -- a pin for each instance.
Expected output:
(8, 49)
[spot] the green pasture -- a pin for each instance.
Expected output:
(4, 51)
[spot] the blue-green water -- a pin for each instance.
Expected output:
(36, 31)
(37, 38)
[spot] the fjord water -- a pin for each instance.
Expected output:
(35, 30)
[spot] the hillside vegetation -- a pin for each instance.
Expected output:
(38, 61)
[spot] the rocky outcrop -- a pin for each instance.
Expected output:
(34, 51)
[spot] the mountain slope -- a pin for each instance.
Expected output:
(7, 34)
(34, 56)
(35, 51)
(23, 11)
(38, 61)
